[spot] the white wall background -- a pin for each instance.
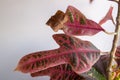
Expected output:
(23, 30)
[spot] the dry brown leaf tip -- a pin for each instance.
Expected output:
(56, 21)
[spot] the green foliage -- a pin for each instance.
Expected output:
(95, 74)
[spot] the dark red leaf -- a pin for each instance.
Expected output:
(101, 65)
(118, 56)
(74, 23)
(79, 54)
(78, 24)
(60, 72)
(107, 17)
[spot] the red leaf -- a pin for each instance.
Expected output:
(61, 72)
(78, 24)
(117, 54)
(101, 64)
(107, 17)
(80, 55)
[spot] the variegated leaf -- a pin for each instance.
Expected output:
(74, 23)
(117, 54)
(79, 54)
(79, 25)
(60, 72)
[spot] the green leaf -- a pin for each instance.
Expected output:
(95, 74)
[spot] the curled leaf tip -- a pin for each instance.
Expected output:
(56, 21)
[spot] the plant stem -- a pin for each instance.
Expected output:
(115, 41)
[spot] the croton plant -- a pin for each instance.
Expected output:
(75, 59)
